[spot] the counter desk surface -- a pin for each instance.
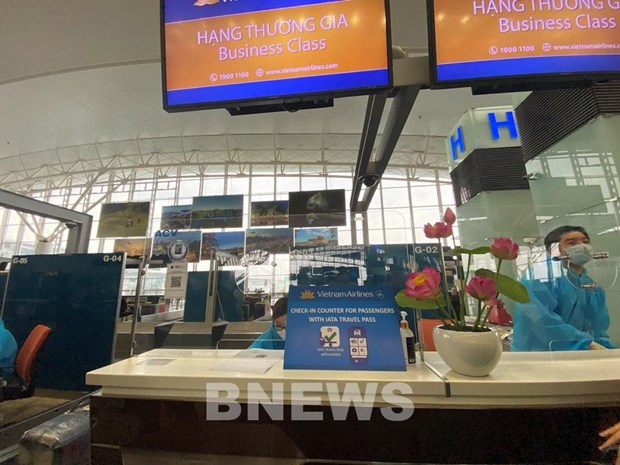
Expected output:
(520, 380)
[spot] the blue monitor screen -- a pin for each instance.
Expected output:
(217, 53)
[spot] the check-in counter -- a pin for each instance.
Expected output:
(533, 408)
(183, 335)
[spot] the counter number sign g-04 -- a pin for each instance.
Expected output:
(112, 258)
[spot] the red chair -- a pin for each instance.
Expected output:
(21, 384)
(428, 326)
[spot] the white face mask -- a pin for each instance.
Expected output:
(580, 254)
(282, 333)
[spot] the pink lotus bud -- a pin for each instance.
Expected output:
(423, 285)
(482, 288)
(505, 249)
(438, 230)
(449, 217)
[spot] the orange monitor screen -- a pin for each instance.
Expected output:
(486, 39)
(222, 51)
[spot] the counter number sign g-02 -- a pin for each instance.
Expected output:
(426, 248)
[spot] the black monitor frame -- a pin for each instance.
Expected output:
(285, 101)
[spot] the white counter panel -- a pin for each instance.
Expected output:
(539, 378)
(520, 379)
(183, 374)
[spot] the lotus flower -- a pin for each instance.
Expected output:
(424, 290)
(449, 217)
(423, 285)
(504, 249)
(482, 288)
(438, 230)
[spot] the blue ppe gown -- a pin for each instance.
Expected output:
(8, 351)
(561, 315)
(270, 340)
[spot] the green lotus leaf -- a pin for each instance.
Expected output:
(507, 286)
(409, 302)
(464, 251)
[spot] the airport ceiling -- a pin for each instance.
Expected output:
(80, 81)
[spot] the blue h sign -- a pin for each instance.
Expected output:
(457, 142)
(509, 124)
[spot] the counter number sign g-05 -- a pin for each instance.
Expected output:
(112, 258)
(20, 260)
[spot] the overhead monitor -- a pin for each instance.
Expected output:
(527, 42)
(232, 53)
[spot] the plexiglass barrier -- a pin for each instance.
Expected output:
(256, 266)
(256, 348)
(575, 183)
(569, 262)
(321, 250)
(571, 271)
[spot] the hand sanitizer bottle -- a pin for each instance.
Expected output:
(408, 340)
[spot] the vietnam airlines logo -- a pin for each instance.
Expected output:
(205, 2)
(307, 295)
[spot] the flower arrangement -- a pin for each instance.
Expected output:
(428, 289)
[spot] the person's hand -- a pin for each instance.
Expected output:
(613, 438)
(596, 346)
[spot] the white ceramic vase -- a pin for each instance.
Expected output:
(468, 353)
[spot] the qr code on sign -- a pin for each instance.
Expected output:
(175, 281)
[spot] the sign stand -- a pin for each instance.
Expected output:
(343, 328)
(136, 306)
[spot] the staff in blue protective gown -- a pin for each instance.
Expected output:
(568, 312)
(8, 351)
(274, 337)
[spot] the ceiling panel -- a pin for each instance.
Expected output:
(301, 156)
(437, 159)
(299, 141)
(255, 156)
(161, 145)
(121, 147)
(437, 145)
(47, 157)
(400, 158)
(172, 158)
(206, 143)
(141, 173)
(408, 143)
(251, 141)
(78, 152)
(342, 141)
(212, 157)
